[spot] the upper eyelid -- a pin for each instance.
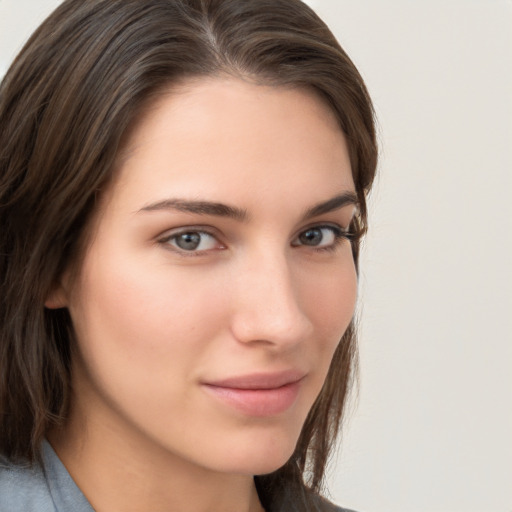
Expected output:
(333, 225)
(212, 231)
(170, 233)
(336, 228)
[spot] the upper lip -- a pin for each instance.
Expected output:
(259, 380)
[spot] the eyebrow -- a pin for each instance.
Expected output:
(199, 207)
(335, 203)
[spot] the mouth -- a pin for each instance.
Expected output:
(259, 394)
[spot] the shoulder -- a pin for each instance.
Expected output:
(23, 487)
(304, 500)
(323, 505)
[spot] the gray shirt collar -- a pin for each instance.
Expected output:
(66, 495)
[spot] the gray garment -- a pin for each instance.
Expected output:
(50, 488)
(40, 489)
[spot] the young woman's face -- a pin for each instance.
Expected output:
(219, 278)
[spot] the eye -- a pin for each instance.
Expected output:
(321, 237)
(192, 241)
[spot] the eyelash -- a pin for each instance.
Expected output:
(339, 234)
(189, 230)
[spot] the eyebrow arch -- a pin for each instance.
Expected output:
(335, 203)
(199, 208)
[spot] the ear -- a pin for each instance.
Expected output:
(57, 298)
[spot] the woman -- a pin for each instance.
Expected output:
(182, 195)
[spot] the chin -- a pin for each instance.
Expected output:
(258, 466)
(261, 456)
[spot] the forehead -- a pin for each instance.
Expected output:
(227, 134)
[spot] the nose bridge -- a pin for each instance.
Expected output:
(269, 307)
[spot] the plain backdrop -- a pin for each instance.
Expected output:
(431, 429)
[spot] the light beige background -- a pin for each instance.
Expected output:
(432, 431)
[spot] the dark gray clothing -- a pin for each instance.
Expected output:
(50, 488)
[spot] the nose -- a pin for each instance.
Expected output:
(269, 305)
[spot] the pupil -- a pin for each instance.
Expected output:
(311, 236)
(188, 241)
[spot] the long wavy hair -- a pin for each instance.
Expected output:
(66, 104)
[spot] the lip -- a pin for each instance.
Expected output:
(258, 394)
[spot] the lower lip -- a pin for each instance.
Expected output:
(257, 402)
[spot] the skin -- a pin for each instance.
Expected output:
(154, 322)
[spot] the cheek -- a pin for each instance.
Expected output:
(139, 320)
(331, 303)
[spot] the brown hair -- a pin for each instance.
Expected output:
(66, 102)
